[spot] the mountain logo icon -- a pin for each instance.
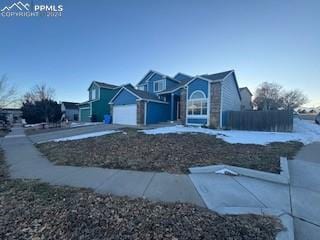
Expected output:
(17, 6)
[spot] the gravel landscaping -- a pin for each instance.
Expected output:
(173, 153)
(31, 210)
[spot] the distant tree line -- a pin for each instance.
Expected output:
(272, 96)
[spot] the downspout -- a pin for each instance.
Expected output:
(172, 106)
(145, 112)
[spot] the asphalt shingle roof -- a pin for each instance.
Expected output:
(142, 94)
(105, 85)
(71, 105)
(216, 76)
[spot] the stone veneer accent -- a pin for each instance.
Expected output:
(215, 104)
(183, 105)
(140, 112)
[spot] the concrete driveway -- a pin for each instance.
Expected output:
(305, 192)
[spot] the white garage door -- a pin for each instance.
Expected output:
(125, 114)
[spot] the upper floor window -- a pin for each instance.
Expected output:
(197, 104)
(141, 87)
(93, 94)
(159, 85)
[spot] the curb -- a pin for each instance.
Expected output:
(287, 220)
(282, 178)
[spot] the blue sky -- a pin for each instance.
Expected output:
(119, 41)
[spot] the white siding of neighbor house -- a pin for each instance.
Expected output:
(230, 95)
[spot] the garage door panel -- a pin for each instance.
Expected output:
(125, 114)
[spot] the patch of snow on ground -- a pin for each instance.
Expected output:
(82, 124)
(303, 131)
(83, 136)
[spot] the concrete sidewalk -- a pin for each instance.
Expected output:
(305, 192)
(26, 162)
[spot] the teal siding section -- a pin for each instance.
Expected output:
(101, 107)
(157, 112)
(124, 97)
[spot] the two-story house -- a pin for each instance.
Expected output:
(97, 106)
(194, 100)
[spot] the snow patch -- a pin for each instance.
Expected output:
(83, 136)
(226, 171)
(82, 124)
(303, 131)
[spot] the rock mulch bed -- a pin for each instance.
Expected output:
(30, 210)
(173, 153)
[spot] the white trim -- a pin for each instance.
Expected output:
(208, 104)
(122, 88)
(90, 109)
(171, 91)
(145, 76)
(145, 113)
(172, 107)
(221, 103)
(153, 73)
(200, 116)
(164, 85)
(150, 100)
(163, 76)
(200, 91)
(195, 124)
(187, 103)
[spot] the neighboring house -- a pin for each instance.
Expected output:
(97, 106)
(198, 100)
(13, 115)
(246, 99)
(70, 110)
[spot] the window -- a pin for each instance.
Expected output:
(141, 87)
(197, 104)
(159, 86)
(93, 94)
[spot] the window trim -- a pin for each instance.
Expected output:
(164, 85)
(203, 99)
(95, 94)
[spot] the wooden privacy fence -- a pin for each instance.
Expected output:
(270, 121)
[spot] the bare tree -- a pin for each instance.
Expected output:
(293, 99)
(8, 94)
(268, 96)
(39, 92)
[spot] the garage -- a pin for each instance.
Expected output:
(84, 114)
(125, 114)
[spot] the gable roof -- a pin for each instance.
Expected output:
(246, 89)
(151, 73)
(70, 105)
(141, 95)
(182, 77)
(175, 88)
(103, 85)
(217, 76)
